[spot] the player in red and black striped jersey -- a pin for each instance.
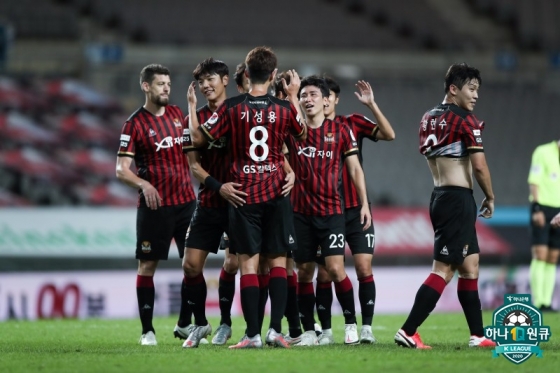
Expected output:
(210, 165)
(257, 125)
(450, 139)
(361, 242)
(318, 206)
(263, 272)
(153, 137)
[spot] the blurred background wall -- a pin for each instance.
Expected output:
(69, 78)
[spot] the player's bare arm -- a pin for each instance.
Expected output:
(358, 179)
(537, 217)
(197, 138)
(366, 97)
(292, 91)
(482, 176)
(228, 190)
(125, 174)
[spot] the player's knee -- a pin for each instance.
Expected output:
(323, 275)
(305, 273)
(363, 270)
(447, 276)
(231, 264)
(552, 257)
(147, 267)
(336, 271)
(192, 268)
(468, 275)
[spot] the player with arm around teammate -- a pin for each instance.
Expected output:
(210, 165)
(257, 125)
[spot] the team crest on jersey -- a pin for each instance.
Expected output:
(213, 119)
(177, 122)
(329, 138)
(146, 246)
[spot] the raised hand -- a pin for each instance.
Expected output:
(191, 94)
(292, 89)
(365, 93)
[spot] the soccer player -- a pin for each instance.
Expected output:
(318, 206)
(257, 125)
(210, 165)
(263, 273)
(153, 137)
(450, 139)
(544, 189)
(361, 242)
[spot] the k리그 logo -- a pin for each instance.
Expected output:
(517, 328)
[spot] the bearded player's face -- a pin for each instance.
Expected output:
(159, 90)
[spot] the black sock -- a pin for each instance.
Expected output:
(467, 291)
(306, 302)
(323, 301)
(345, 295)
(366, 293)
(196, 297)
(145, 294)
(226, 292)
(249, 303)
(278, 289)
(185, 314)
(264, 281)
(292, 308)
(424, 303)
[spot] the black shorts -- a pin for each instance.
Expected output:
(453, 213)
(323, 232)
(547, 235)
(359, 241)
(208, 225)
(156, 228)
(262, 227)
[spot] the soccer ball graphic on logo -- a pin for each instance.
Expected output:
(517, 318)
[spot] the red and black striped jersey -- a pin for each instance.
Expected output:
(318, 163)
(362, 127)
(155, 143)
(214, 158)
(256, 127)
(450, 131)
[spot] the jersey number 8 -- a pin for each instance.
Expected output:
(256, 143)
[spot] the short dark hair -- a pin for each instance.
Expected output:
(316, 81)
(238, 75)
(148, 72)
(210, 66)
(261, 62)
(460, 74)
(278, 86)
(332, 84)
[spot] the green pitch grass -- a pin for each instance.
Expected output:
(112, 346)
